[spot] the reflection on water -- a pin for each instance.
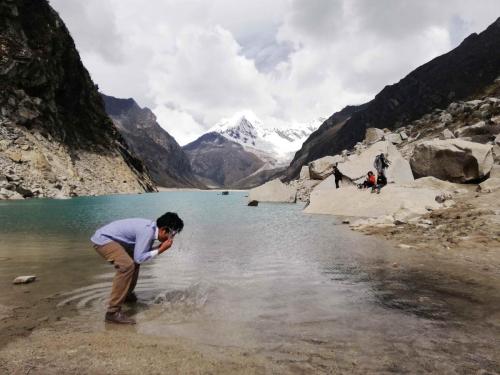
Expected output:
(255, 278)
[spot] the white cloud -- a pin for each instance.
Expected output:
(195, 62)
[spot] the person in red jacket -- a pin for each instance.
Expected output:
(369, 182)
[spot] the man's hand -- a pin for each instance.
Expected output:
(165, 245)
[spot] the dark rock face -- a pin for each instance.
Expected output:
(456, 75)
(220, 162)
(46, 90)
(159, 151)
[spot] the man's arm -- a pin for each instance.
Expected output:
(143, 250)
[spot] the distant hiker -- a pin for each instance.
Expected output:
(381, 164)
(338, 175)
(368, 182)
(381, 182)
(126, 244)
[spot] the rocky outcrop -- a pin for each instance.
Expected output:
(462, 72)
(373, 135)
(357, 166)
(273, 191)
(452, 160)
(219, 162)
(322, 168)
(159, 151)
(55, 137)
(351, 201)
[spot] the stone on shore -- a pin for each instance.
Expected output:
(273, 191)
(351, 201)
(453, 160)
(253, 203)
(322, 168)
(24, 279)
(357, 166)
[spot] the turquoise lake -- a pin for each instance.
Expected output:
(251, 277)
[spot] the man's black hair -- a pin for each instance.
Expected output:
(170, 221)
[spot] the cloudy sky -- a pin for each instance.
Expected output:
(194, 62)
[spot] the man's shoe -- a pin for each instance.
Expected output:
(131, 298)
(118, 317)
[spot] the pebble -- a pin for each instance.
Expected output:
(24, 279)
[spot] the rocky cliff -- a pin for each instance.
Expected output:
(220, 162)
(159, 151)
(456, 75)
(55, 136)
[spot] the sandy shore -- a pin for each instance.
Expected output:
(467, 233)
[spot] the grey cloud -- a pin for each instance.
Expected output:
(92, 25)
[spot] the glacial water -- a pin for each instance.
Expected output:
(268, 279)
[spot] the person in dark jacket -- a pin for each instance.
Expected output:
(338, 175)
(381, 182)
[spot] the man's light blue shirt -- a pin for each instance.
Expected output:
(137, 233)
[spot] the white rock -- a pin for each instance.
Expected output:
(403, 135)
(446, 134)
(373, 135)
(24, 279)
(321, 168)
(394, 138)
(304, 173)
(356, 166)
(443, 197)
(437, 184)
(490, 185)
(449, 203)
(478, 127)
(446, 118)
(273, 191)
(452, 160)
(351, 201)
(495, 171)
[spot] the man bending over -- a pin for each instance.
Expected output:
(126, 244)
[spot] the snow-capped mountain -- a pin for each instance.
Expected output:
(274, 145)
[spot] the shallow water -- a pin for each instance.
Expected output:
(268, 279)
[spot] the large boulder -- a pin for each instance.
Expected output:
(357, 166)
(351, 201)
(452, 160)
(322, 168)
(373, 135)
(273, 191)
(393, 138)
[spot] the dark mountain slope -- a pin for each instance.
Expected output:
(220, 162)
(51, 112)
(456, 75)
(167, 162)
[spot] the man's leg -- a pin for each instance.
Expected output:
(114, 253)
(336, 183)
(131, 297)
